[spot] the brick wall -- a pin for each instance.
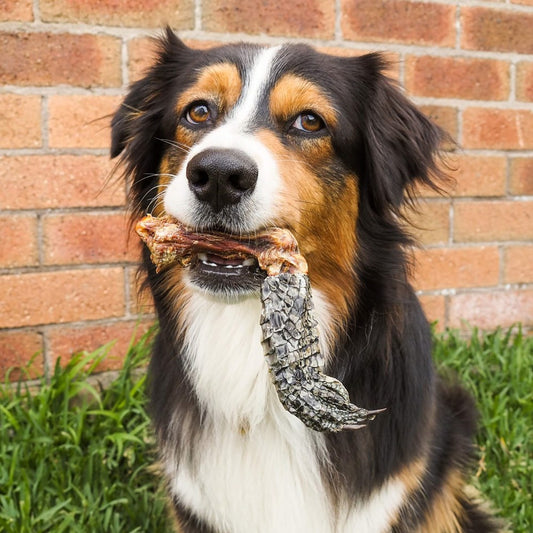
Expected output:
(66, 266)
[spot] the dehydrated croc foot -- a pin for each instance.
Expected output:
(290, 337)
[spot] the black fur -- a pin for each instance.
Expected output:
(384, 355)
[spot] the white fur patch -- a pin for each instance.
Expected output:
(376, 514)
(260, 207)
(225, 358)
(257, 467)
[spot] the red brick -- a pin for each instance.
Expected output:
(430, 223)
(141, 56)
(299, 18)
(457, 77)
(64, 341)
(81, 121)
(203, 44)
(498, 30)
(483, 221)
(136, 13)
(79, 238)
(52, 59)
(479, 175)
(521, 181)
(398, 21)
(524, 81)
(505, 129)
(18, 244)
(488, 310)
(51, 181)
(353, 52)
(19, 10)
(518, 264)
(20, 121)
(141, 301)
(21, 355)
(63, 296)
(447, 119)
(435, 309)
(392, 59)
(453, 268)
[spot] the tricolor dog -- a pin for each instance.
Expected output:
(240, 138)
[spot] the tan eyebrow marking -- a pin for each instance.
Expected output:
(292, 94)
(220, 83)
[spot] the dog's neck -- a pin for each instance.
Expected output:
(225, 357)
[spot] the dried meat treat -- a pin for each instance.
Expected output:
(171, 242)
(289, 326)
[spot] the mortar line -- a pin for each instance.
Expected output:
(124, 62)
(36, 11)
(47, 363)
(198, 15)
(338, 17)
(458, 28)
(508, 177)
(512, 82)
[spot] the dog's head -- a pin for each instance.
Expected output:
(243, 137)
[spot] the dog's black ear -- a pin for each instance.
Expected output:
(144, 104)
(401, 145)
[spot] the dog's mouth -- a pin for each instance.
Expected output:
(228, 274)
(220, 262)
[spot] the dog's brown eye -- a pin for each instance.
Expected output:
(308, 122)
(198, 114)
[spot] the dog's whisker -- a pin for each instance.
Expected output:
(149, 191)
(175, 144)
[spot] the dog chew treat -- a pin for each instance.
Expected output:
(288, 323)
(169, 242)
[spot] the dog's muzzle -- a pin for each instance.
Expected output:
(221, 177)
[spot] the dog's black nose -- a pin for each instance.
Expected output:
(221, 177)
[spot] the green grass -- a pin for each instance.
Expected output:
(497, 368)
(74, 457)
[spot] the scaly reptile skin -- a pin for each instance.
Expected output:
(290, 339)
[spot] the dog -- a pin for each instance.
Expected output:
(243, 137)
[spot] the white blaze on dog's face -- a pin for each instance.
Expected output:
(253, 148)
(229, 178)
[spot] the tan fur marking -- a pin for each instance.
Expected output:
(291, 95)
(162, 183)
(443, 517)
(219, 83)
(325, 232)
(412, 474)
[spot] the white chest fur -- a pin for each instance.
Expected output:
(258, 467)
